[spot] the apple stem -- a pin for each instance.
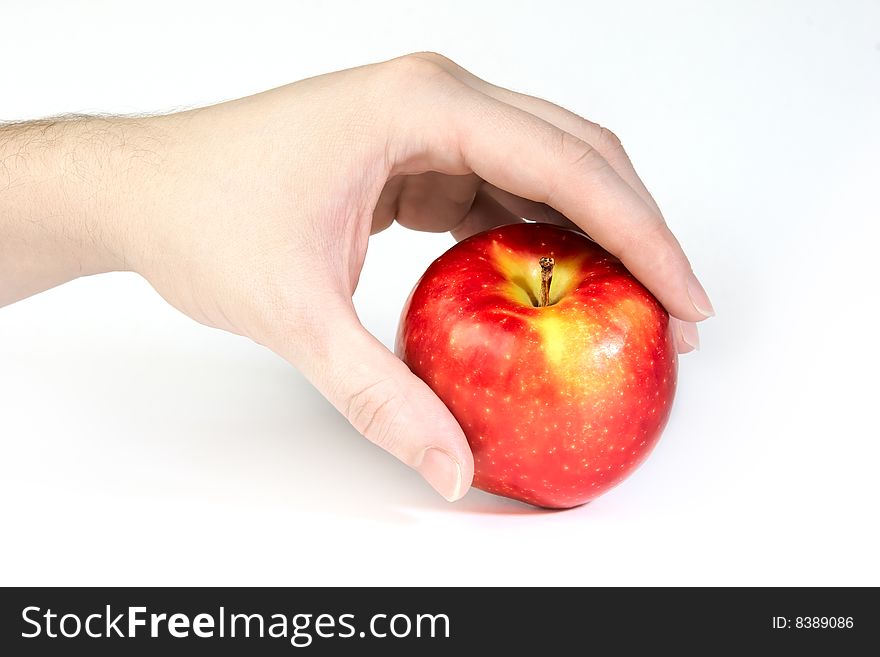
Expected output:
(546, 278)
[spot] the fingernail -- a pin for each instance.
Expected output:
(690, 335)
(699, 297)
(442, 472)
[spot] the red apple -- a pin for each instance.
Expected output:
(562, 387)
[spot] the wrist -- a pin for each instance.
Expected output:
(67, 187)
(105, 169)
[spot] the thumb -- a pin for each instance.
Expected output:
(383, 399)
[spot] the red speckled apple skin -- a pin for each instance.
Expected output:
(559, 403)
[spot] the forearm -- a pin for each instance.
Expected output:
(64, 187)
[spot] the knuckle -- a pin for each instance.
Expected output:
(608, 139)
(644, 238)
(420, 66)
(373, 411)
(431, 56)
(572, 154)
(576, 152)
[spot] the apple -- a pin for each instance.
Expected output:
(557, 363)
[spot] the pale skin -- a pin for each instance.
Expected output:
(230, 211)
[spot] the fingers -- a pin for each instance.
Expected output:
(685, 334)
(485, 213)
(602, 139)
(435, 202)
(382, 399)
(497, 136)
(534, 159)
(523, 207)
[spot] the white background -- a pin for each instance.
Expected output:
(141, 448)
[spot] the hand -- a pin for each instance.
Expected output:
(233, 210)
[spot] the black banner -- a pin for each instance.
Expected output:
(334, 621)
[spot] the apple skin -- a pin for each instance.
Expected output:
(559, 403)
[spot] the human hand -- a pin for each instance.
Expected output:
(233, 210)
